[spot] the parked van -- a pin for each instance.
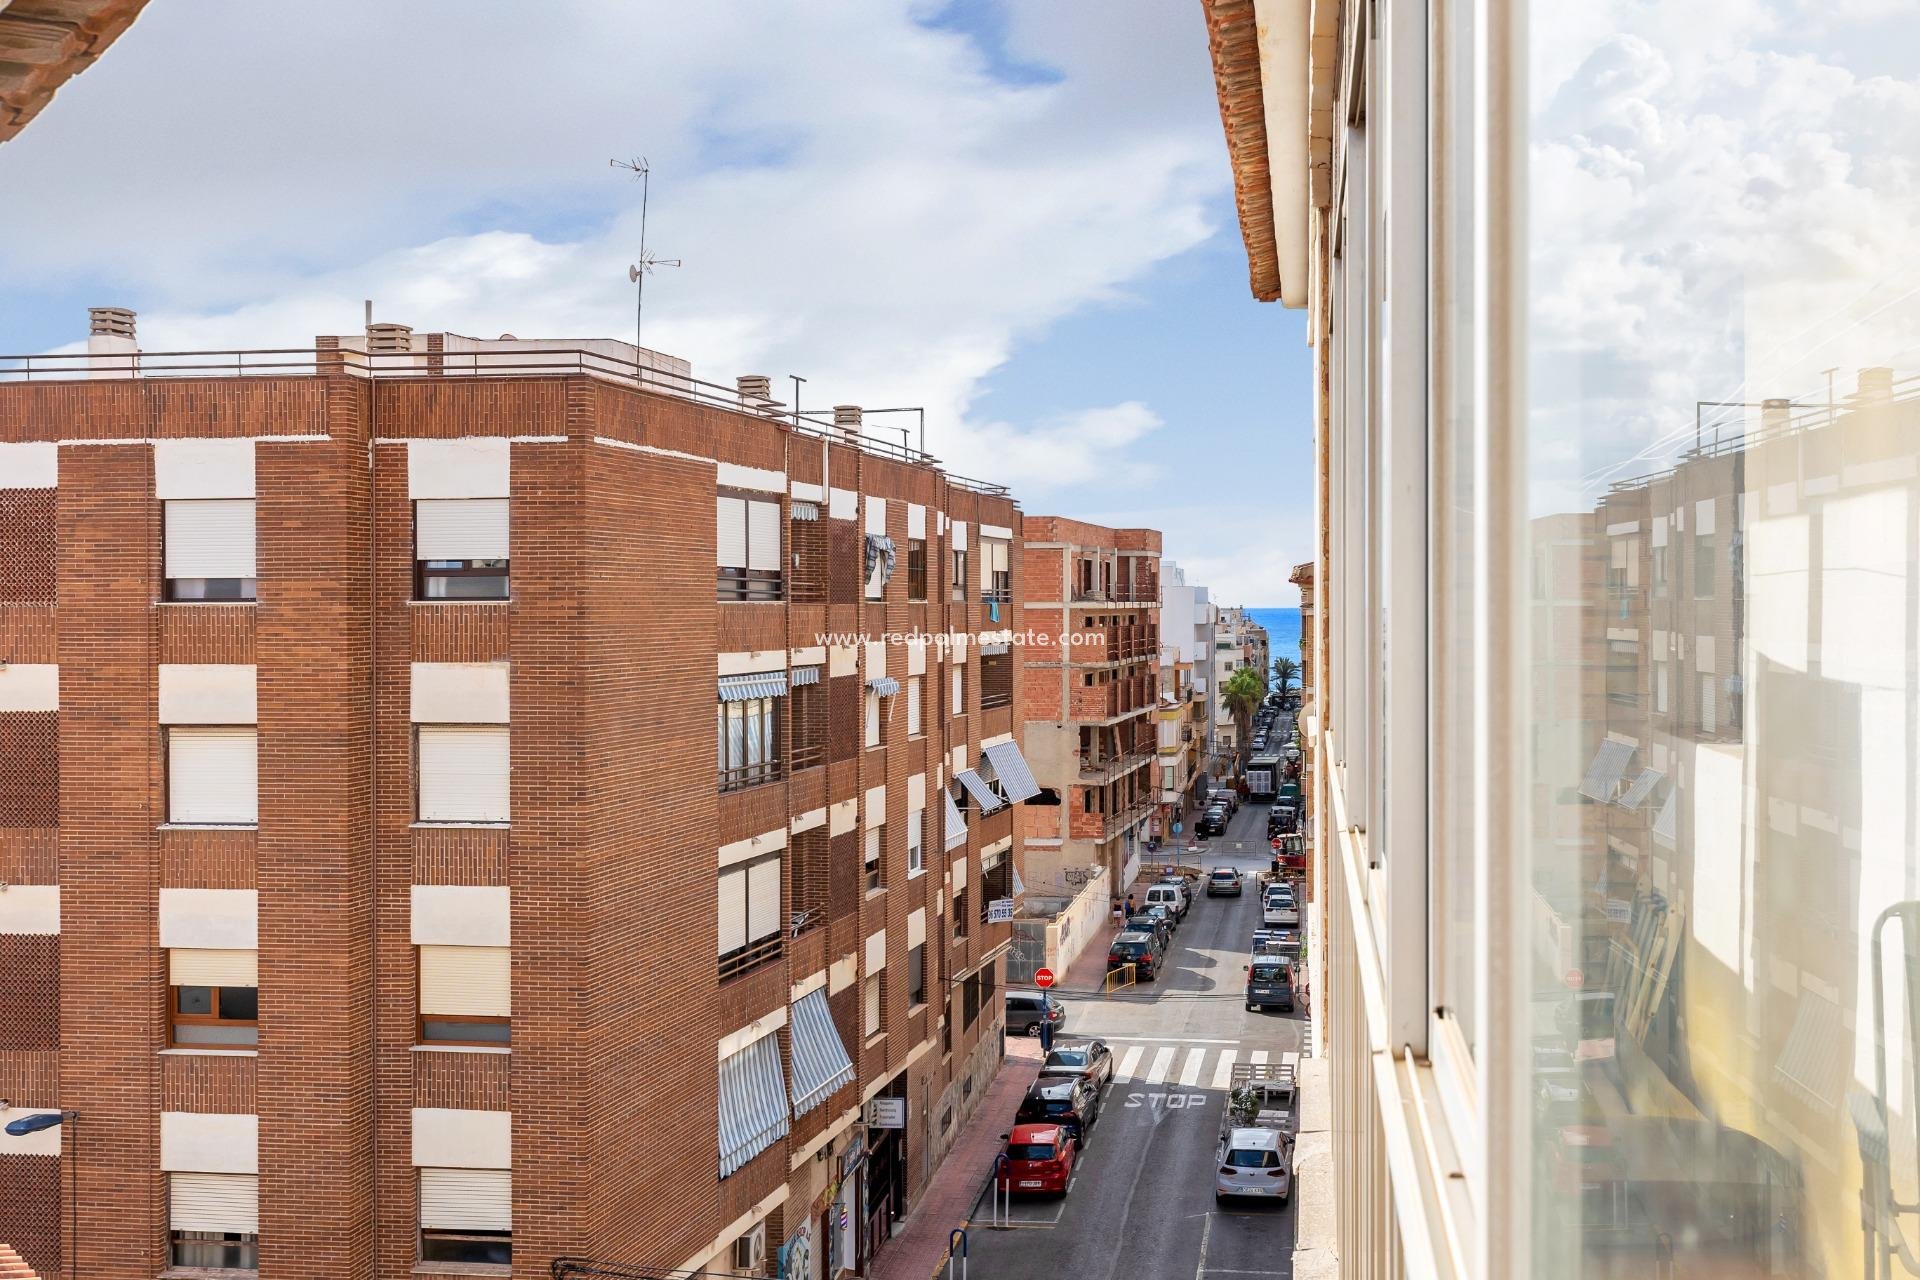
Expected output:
(1170, 896)
(1269, 983)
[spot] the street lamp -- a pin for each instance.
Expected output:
(37, 1123)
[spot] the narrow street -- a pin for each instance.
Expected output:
(1141, 1202)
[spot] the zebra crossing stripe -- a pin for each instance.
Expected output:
(1190, 1074)
(1223, 1069)
(1258, 1057)
(1162, 1060)
(1128, 1062)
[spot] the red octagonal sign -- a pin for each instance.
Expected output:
(1043, 979)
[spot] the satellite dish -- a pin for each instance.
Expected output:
(633, 274)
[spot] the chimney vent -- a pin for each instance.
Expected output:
(389, 337)
(110, 322)
(846, 420)
(1876, 384)
(755, 389)
(1775, 414)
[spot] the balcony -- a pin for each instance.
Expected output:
(749, 957)
(1105, 767)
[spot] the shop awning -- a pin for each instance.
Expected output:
(753, 1103)
(956, 825)
(885, 686)
(1608, 767)
(1016, 779)
(821, 1066)
(761, 684)
(982, 793)
(803, 675)
(1813, 1063)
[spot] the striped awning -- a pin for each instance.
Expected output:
(982, 793)
(761, 684)
(1642, 787)
(956, 825)
(804, 510)
(1813, 1062)
(990, 650)
(803, 675)
(885, 686)
(1666, 825)
(1608, 767)
(821, 1066)
(753, 1103)
(1016, 779)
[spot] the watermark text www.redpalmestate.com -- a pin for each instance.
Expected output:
(942, 640)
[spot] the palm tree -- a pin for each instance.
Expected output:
(1241, 695)
(1285, 672)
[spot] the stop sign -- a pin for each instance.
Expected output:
(1575, 978)
(1043, 979)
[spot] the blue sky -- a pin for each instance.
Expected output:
(1017, 215)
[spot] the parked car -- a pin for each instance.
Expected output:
(1256, 1133)
(1282, 820)
(1157, 924)
(1073, 1103)
(1039, 1159)
(1211, 823)
(1026, 1010)
(1254, 1162)
(1160, 912)
(1089, 1058)
(1223, 882)
(1269, 983)
(1136, 949)
(1171, 896)
(1279, 907)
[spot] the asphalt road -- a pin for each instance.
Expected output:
(1141, 1205)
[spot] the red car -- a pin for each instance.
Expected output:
(1039, 1159)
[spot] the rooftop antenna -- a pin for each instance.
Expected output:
(640, 269)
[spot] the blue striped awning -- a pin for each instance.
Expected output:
(761, 684)
(1642, 787)
(803, 675)
(1608, 767)
(982, 793)
(1667, 825)
(804, 510)
(821, 1066)
(1016, 779)
(885, 686)
(753, 1103)
(956, 825)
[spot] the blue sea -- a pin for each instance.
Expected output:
(1283, 630)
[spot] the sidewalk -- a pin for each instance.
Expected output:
(919, 1250)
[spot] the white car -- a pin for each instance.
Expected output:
(1278, 907)
(1170, 896)
(1254, 1162)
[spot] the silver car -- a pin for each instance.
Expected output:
(1254, 1162)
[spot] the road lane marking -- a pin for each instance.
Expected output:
(1128, 1062)
(1123, 1037)
(1258, 1057)
(1206, 1229)
(1162, 1060)
(1190, 1074)
(1223, 1069)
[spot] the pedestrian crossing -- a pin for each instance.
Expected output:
(1188, 1066)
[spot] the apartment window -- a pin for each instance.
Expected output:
(213, 776)
(970, 1000)
(806, 722)
(959, 914)
(959, 573)
(916, 855)
(996, 679)
(213, 1221)
(1702, 565)
(808, 555)
(916, 568)
(1623, 672)
(996, 881)
(466, 1215)
(749, 734)
(876, 723)
(1660, 678)
(873, 999)
(462, 773)
(913, 706)
(996, 575)
(749, 915)
(209, 549)
(465, 996)
(1709, 720)
(958, 695)
(747, 545)
(460, 549)
(875, 856)
(228, 1017)
(916, 976)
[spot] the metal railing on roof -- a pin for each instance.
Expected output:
(308, 362)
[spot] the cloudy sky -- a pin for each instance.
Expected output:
(1018, 215)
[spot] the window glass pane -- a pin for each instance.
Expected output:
(468, 1032)
(193, 999)
(242, 1003)
(208, 1033)
(1723, 453)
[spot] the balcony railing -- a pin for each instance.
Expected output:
(749, 584)
(749, 775)
(751, 956)
(1095, 766)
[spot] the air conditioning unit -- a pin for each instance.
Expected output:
(750, 1250)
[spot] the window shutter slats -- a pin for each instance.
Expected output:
(466, 1199)
(460, 529)
(214, 1202)
(763, 899)
(730, 523)
(733, 910)
(473, 982)
(464, 773)
(210, 538)
(213, 776)
(205, 967)
(763, 535)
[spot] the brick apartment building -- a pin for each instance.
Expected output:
(1090, 675)
(372, 897)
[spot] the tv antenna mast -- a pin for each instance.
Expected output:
(642, 267)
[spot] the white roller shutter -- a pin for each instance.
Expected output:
(464, 771)
(214, 1202)
(210, 538)
(205, 967)
(730, 524)
(460, 529)
(466, 1199)
(763, 535)
(733, 910)
(763, 899)
(213, 776)
(471, 982)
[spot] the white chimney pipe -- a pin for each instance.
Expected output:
(111, 345)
